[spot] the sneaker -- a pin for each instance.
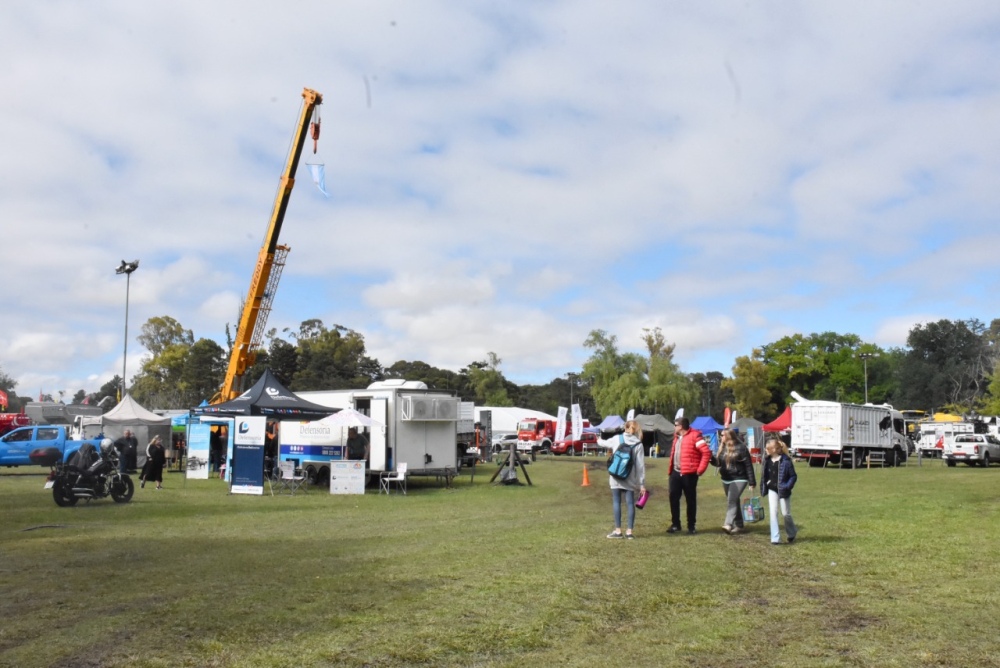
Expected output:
(734, 531)
(673, 529)
(630, 536)
(692, 531)
(142, 484)
(773, 543)
(616, 534)
(727, 528)
(791, 539)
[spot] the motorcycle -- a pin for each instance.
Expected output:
(89, 475)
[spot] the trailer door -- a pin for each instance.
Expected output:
(377, 435)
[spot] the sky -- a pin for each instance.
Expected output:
(503, 177)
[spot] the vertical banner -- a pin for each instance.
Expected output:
(197, 450)
(577, 423)
(561, 424)
(248, 456)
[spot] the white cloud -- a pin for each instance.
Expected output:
(504, 179)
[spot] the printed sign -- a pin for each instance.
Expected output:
(347, 477)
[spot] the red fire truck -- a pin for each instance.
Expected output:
(535, 434)
(11, 421)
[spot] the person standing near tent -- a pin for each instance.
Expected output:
(689, 458)
(736, 471)
(357, 445)
(156, 458)
(214, 449)
(126, 447)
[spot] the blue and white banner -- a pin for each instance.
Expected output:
(248, 456)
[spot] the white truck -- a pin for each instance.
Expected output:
(936, 436)
(418, 427)
(828, 431)
(972, 449)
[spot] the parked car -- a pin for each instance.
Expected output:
(503, 442)
(568, 446)
(973, 449)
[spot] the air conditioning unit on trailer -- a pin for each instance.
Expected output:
(418, 408)
(446, 408)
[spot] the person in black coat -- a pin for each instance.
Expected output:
(156, 458)
(736, 471)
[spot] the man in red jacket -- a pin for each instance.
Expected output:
(689, 458)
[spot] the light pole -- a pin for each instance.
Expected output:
(865, 357)
(126, 268)
(570, 377)
(709, 382)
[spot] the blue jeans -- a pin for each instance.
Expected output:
(784, 506)
(616, 499)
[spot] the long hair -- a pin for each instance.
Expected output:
(632, 427)
(779, 446)
(729, 445)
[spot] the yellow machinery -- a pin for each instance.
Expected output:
(270, 261)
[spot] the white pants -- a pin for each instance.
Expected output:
(784, 506)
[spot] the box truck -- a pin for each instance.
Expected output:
(828, 431)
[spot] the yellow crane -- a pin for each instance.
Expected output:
(270, 260)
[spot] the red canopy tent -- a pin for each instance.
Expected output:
(781, 423)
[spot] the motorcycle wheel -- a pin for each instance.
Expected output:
(62, 495)
(122, 490)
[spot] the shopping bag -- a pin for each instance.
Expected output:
(753, 511)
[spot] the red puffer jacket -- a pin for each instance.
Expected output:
(694, 453)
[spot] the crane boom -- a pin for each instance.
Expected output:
(270, 262)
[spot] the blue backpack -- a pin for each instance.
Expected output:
(620, 463)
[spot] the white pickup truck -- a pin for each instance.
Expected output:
(972, 449)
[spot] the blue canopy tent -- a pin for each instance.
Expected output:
(609, 423)
(707, 425)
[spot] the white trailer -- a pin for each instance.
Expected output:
(420, 427)
(825, 431)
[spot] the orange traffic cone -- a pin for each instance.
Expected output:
(586, 478)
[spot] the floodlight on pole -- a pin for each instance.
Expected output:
(865, 357)
(126, 268)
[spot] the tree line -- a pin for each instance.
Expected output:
(945, 366)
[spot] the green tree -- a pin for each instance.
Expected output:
(947, 366)
(332, 359)
(488, 382)
(749, 385)
(202, 372)
(162, 332)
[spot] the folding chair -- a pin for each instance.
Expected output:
(291, 479)
(398, 478)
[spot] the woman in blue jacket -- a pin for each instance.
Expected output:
(776, 482)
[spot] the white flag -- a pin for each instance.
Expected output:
(319, 176)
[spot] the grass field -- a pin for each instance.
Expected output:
(893, 567)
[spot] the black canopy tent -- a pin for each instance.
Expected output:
(270, 398)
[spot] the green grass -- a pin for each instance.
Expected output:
(893, 567)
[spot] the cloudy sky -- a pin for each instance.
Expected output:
(504, 176)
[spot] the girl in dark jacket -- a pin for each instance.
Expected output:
(736, 471)
(776, 481)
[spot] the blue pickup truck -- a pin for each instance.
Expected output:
(41, 445)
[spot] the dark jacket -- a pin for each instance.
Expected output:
(786, 476)
(740, 468)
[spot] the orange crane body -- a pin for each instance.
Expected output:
(270, 262)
